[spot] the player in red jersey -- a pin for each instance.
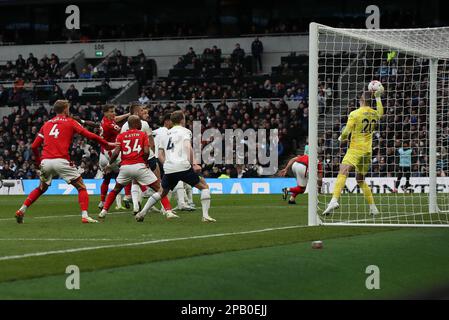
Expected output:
(110, 131)
(55, 137)
(300, 168)
(134, 147)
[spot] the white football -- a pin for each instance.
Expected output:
(375, 85)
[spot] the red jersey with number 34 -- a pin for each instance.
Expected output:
(132, 143)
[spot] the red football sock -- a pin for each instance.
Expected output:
(83, 199)
(109, 200)
(297, 190)
(104, 189)
(166, 203)
(128, 190)
(33, 196)
(143, 188)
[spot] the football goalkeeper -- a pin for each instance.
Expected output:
(359, 129)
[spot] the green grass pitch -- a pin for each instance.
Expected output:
(260, 248)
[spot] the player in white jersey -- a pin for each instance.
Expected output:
(176, 154)
(182, 190)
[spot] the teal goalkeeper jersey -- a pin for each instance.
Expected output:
(405, 157)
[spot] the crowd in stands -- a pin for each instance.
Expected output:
(237, 89)
(18, 130)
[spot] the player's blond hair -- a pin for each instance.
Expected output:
(176, 117)
(60, 106)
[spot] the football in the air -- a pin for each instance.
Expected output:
(375, 85)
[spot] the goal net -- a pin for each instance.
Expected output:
(408, 168)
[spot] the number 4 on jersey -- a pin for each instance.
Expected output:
(170, 144)
(54, 131)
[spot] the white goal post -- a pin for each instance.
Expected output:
(408, 167)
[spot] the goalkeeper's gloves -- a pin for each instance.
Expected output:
(339, 138)
(379, 92)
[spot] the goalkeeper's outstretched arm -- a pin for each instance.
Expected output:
(379, 105)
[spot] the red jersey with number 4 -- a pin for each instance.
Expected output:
(110, 130)
(304, 159)
(132, 143)
(56, 136)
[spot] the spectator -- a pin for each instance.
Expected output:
(4, 96)
(238, 54)
(85, 74)
(72, 94)
(32, 60)
(20, 63)
(256, 51)
(141, 55)
(190, 55)
(143, 98)
(55, 94)
(70, 75)
(105, 88)
(6, 172)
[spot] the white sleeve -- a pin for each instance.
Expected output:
(146, 128)
(125, 127)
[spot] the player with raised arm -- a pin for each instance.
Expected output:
(110, 130)
(55, 137)
(300, 168)
(176, 154)
(134, 148)
(359, 129)
(136, 189)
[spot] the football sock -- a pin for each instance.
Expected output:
(339, 185)
(189, 193)
(84, 214)
(109, 200)
(118, 200)
(180, 194)
(33, 196)
(104, 189)
(128, 191)
(151, 202)
(296, 190)
(166, 203)
(367, 192)
(83, 199)
(135, 194)
(205, 201)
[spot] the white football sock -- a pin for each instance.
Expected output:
(135, 195)
(118, 200)
(189, 193)
(180, 194)
(205, 202)
(84, 214)
(151, 202)
(23, 208)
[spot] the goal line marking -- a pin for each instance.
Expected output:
(46, 253)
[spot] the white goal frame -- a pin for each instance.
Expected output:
(314, 217)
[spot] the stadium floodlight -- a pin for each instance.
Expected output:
(409, 170)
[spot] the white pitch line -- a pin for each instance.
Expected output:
(46, 253)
